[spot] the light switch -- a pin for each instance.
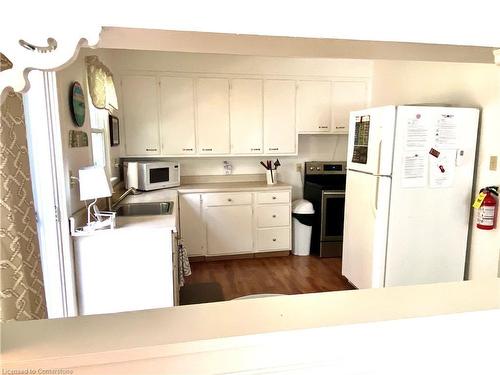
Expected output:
(493, 163)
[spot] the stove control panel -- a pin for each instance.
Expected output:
(325, 167)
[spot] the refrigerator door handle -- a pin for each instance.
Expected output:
(375, 205)
(379, 155)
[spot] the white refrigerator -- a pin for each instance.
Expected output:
(408, 194)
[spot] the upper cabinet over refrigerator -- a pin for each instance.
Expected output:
(371, 141)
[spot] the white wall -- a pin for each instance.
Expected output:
(398, 82)
(76, 158)
(311, 147)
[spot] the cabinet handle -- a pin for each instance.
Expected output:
(274, 197)
(151, 149)
(255, 149)
(273, 148)
(229, 200)
(187, 149)
(274, 216)
(206, 149)
(274, 239)
(323, 127)
(340, 127)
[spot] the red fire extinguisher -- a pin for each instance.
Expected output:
(487, 211)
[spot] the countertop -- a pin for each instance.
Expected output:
(231, 186)
(174, 333)
(151, 221)
(163, 195)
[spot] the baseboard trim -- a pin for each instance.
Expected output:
(213, 258)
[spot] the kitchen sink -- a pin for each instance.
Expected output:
(145, 209)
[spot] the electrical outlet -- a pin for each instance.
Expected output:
(493, 163)
(299, 167)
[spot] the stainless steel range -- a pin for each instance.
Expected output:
(324, 187)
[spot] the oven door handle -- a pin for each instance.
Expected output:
(337, 193)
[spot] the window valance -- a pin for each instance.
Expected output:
(101, 84)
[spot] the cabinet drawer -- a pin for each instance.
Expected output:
(227, 199)
(273, 216)
(273, 197)
(272, 239)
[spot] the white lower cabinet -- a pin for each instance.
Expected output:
(273, 216)
(229, 223)
(229, 229)
(273, 239)
(192, 227)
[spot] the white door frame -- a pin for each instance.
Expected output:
(47, 172)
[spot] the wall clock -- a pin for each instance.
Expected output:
(77, 104)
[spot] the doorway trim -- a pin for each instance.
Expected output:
(43, 134)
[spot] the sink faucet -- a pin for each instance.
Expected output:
(131, 190)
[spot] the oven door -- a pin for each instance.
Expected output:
(332, 215)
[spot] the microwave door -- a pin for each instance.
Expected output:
(159, 175)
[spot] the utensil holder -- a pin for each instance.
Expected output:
(274, 179)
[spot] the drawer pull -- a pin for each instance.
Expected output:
(229, 200)
(323, 127)
(274, 197)
(255, 149)
(151, 149)
(273, 148)
(206, 149)
(274, 239)
(274, 216)
(187, 149)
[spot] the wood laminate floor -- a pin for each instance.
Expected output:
(283, 275)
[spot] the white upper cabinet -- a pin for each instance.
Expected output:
(246, 116)
(347, 96)
(212, 102)
(314, 106)
(177, 115)
(140, 113)
(279, 117)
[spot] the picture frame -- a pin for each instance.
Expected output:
(114, 130)
(77, 104)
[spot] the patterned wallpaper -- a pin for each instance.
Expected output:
(22, 294)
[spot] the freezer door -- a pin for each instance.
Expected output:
(371, 140)
(431, 194)
(365, 229)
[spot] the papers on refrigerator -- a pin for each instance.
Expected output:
(417, 134)
(414, 169)
(446, 133)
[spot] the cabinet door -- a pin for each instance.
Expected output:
(314, 106)
(191, 224)
(347, 96)
(229, 229)
(140, 115)
(177, 115)
(279, 117)
(213, 115)
(246, 116)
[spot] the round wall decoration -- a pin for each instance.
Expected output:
(77, 102)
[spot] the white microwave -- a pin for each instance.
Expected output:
(151, 175)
